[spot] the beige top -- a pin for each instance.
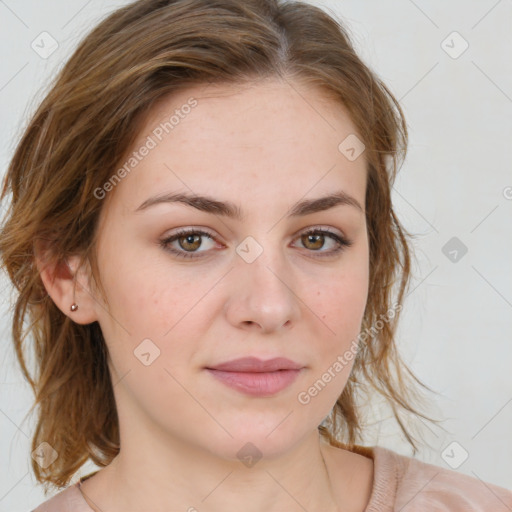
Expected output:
(400, 483)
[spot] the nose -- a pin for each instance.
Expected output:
(262, 296)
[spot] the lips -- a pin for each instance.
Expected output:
(255, 365)
(252, 376)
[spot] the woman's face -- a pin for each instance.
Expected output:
(252, 285)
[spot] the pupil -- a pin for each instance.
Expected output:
(190, 240)
(316, 240)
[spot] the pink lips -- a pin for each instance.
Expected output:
(255, 377)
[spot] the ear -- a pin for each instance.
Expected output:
(66, 285)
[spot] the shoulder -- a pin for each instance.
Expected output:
(68, 500)
(421, 486)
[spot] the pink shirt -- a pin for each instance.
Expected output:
(400, 483)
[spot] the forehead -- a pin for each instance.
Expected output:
(265, 140)
(256, 112)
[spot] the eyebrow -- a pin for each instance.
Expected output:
(233, 211)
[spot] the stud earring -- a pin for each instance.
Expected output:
(74, 306)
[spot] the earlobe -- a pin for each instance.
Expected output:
(68, 287)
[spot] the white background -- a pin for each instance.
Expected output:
(457, 323)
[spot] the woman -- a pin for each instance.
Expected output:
(202, 236)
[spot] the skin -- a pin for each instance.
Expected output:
(263, 147)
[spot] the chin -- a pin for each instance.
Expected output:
(257, 439)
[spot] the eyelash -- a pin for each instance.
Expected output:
(341, 241)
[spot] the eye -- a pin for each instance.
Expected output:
(314, 239)
(190, 241)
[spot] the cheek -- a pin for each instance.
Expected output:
(156, 318)
(145, 299)
(342, 306)
(342, 301)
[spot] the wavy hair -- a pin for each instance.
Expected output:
(89, 119)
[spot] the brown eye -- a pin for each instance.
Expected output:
(186, 243)
(313, 242)
(191, 242)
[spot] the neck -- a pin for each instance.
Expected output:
(183, 478)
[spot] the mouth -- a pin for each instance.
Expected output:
(252, 376)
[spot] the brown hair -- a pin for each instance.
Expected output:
(90, 118)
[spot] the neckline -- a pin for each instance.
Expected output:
(78, 485)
